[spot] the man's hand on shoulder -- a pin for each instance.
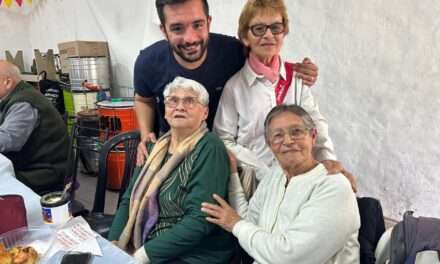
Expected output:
(142, 152)
(307, 71)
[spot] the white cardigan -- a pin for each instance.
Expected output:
(314, 220)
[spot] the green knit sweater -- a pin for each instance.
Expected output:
(42, 162)
(182, 234)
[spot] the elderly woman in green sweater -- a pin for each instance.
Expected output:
(159, 218)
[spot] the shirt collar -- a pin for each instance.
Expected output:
(250, 76)
(316, 171)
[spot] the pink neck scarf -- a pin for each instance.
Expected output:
(269, 72)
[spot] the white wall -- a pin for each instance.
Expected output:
(378, 85)
(10, 39)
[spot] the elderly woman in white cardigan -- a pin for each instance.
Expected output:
(298, 214)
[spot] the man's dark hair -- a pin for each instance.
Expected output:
(160, 4)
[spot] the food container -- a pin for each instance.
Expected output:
(24, 236)
(37, 238)
(55, 208)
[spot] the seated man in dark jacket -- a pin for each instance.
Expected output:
(32, 133)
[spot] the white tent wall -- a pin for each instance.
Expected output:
(14, 35)
(121, 26)
(378, 85)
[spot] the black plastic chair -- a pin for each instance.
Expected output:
(83, 140)
(128, 142)
(87, 140)
(77, 207)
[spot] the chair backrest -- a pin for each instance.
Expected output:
(83, 140)
(128, 142)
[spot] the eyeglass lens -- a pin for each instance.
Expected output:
(260, 29)
(294, 133)
(173, 101)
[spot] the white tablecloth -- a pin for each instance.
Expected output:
(10, 185)
(111, 254)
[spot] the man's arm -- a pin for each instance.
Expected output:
(20, 121)
(144, 107)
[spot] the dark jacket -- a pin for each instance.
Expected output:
(372, 228)
(42, 162)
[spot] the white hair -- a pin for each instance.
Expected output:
(188, 84)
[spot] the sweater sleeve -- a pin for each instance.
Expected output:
(249, 210)
(236, 196)
(226, 127)
(19, 123)
(331, 213)
(210, 174)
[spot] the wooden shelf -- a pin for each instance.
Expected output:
(29, 77)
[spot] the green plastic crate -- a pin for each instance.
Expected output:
(70, 122)
(68, 102)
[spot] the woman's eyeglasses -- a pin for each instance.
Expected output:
(187, 102)
(258, 30)
(294, 133)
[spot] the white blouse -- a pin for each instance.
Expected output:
(245, 102)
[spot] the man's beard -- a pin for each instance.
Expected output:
(194, 57)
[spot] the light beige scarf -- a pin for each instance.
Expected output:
(150, 178)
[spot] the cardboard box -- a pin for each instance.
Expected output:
(80, 48)
(83, 49)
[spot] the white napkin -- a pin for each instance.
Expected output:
(75, 235)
